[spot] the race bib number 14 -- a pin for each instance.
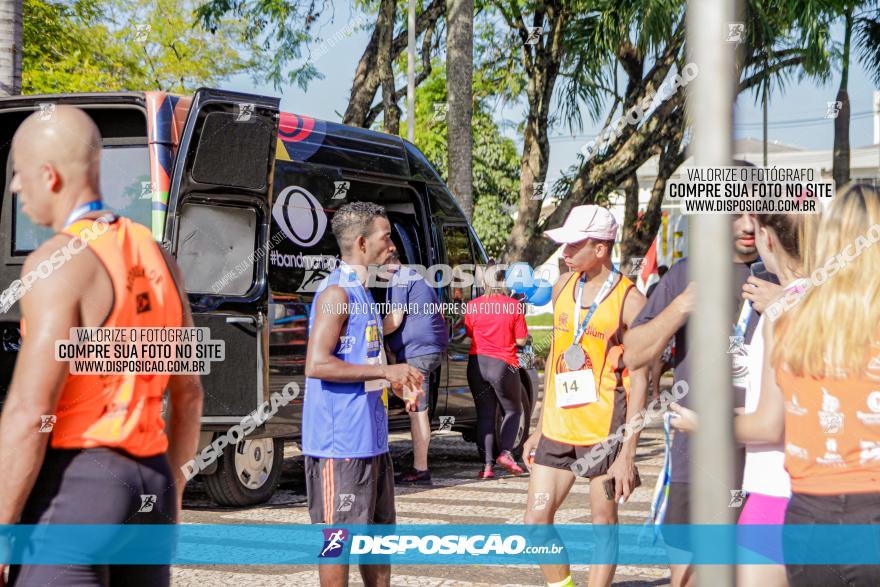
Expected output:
(575, 388)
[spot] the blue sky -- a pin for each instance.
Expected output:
(796, 117)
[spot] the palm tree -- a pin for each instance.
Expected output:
(864, 29)
(459, 92)
(840, 170)
(10, 47)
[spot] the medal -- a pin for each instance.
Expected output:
(574, 357)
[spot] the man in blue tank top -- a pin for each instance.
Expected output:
(349, 475)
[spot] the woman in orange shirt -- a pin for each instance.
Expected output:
(820, 384)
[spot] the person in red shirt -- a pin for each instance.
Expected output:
(496, 324)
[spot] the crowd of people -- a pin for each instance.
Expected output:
(805, 376)
(796, 380)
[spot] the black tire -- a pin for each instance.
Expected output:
(228, 486)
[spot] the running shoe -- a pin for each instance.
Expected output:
(507, 461)
(414, 477)
(486, 473)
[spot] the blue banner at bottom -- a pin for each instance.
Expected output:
(275, 544)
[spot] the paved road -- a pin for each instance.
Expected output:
(457, 497)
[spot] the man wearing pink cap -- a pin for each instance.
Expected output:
(590, 399)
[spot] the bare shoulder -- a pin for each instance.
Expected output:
(635, 297)
(62, 264)
(333, 295)
(61, 259)
(633, 304)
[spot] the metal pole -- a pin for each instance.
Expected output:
(766, 101)
(877, 131)
(411, 72)
(711, 98)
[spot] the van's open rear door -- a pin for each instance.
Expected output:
(217, 228)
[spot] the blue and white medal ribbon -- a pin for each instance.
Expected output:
(81, 211)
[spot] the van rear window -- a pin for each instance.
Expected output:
(125, 187)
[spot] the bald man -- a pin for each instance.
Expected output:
(89, 449)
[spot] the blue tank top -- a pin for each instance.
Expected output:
(343, 420)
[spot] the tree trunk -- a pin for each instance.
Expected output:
(542, 67)
(629, 242)
(533, 170)
(367, 77)
(385, 65)
(459, 94)
(841, 123)
(366, 80)
(10, 47)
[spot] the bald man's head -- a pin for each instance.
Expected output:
(56, 159)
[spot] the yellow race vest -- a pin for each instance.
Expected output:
(603, 345)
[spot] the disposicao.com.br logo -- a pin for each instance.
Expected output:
(334, 542)
(450, 544)
(471, 545)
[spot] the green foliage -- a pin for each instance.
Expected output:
(496, 160)
(67, 49)
(107, 45)
(278, 30)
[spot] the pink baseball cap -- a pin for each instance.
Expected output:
(585, 222)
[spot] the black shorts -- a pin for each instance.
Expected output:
(560, 455)
(100, 486)
(853, 508)
(351, 491)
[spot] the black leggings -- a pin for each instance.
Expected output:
(493, 381)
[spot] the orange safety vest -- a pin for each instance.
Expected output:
(122, 411)
(603, 344)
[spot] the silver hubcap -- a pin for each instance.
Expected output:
(253, 462)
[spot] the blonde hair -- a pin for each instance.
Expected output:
(830, 332)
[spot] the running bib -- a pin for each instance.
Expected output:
(575, 388)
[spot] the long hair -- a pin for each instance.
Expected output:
(796, 234)
(831, 331)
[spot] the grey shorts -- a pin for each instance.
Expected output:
(426, 364)
(351, 491)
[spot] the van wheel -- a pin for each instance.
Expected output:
(247, 473)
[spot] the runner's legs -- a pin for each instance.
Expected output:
(548, 488)
(603, 513)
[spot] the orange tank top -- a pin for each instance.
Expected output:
(603, 345)
(832, 432)
(122, 411)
